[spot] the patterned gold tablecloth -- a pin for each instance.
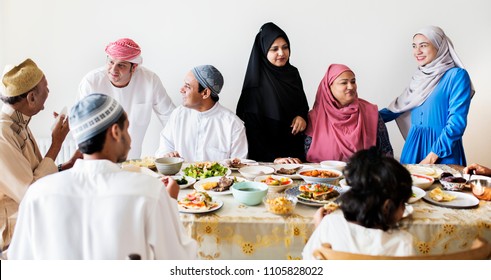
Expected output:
(237, 231)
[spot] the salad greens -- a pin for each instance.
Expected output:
(202, 170)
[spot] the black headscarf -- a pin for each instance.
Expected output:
(271, 98)
(271, 91)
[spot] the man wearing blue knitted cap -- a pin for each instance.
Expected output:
(201, 129)
(96, 210)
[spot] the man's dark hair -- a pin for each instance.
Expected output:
(96, 143)
(201, 88)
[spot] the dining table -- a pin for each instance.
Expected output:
(236, 231)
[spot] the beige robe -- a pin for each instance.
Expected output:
(21, 164)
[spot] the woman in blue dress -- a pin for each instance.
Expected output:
(432, 111)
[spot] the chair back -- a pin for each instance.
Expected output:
(480, 250)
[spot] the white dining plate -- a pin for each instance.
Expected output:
(190, 180)
(289, 166)
(295, 192)
(218, 205)
(461, 201)
(418, 193)
(425, 169)
(244, 161)
(199, 185)
(408, 210)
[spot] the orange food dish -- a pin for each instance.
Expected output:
(319, 173)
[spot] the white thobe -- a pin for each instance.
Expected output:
(349, 237)
(212, 135)
(95, 210)
(143, 94)
(21, 164)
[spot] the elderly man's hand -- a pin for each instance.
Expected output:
(60, 130)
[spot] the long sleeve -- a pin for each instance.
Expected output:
(459, 99)
(166, 142)
(167, 236)
(21, 169)
(162, 104)
(383, 140)
(387, 115)
(239, 142)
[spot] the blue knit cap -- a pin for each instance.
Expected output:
(209, 77)
(92, 115)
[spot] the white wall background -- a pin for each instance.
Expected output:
(67, 39)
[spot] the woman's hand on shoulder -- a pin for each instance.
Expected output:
(298, 125)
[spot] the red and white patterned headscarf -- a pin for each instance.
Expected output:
(125, 49)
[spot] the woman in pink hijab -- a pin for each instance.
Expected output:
(340, 123)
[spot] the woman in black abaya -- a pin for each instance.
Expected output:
(273, 104)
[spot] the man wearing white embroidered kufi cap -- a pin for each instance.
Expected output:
(98, 210)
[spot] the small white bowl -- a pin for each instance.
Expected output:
(190, 181)
(422, 181)
(251, 172)
(277, 186)
(334, 164)
(316, 179)
(168, 165)
(452, 183)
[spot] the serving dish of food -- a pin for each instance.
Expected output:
(148, 162)
(418, 193)
(320, 175)
(314, 194)
(275, 183)
(184, 181)
(280, 203)
(217, 185)
(450, 199)
(425, 169)
(206, 169)
(236, 163)
(198, 202)
(288, 170)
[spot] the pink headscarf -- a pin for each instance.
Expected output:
(338, 132)
(125, 49)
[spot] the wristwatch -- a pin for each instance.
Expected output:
(59, 168)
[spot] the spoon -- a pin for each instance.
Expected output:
(470, 175)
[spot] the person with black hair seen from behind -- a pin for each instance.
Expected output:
(367, 222)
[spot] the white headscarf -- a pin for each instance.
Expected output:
(426, 77)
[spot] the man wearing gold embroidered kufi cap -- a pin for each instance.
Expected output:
(24, 91)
